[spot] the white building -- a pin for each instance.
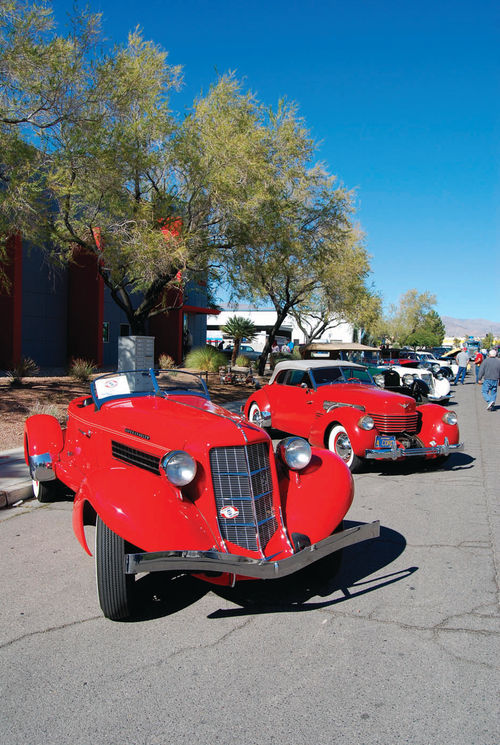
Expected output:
(264, 320)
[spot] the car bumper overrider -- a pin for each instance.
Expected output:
(394, 453)
(214, 561)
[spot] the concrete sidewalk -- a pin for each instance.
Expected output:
(15, 481)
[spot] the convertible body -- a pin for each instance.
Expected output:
(174, 482)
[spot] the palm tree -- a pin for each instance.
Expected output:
(239, 328)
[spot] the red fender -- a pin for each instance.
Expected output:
(144, 509)
(42, 434)
(317, 498)
(260, 398)
(348, 417)
(433, 427)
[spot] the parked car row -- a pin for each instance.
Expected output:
(175, 483)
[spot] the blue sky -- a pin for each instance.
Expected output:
(403, 98)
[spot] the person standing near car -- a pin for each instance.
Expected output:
(477, 362)
(462, 362)
(490, 371)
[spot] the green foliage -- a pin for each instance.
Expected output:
(207, 358)
(230, 189)
(25, 368)
(242, 361)
(239, 328)
(413, 321)
(82, 369)
(488, 341)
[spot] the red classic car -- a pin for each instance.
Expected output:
(336, 404)
(174, 482)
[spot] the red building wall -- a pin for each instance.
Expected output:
(85, 308)
(11, 306)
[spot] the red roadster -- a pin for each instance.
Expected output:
(174, 482)
(337, 405)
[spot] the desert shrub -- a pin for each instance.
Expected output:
(243, 361)
(207, 358)
(166, 362)
(82, 369)
(46, 408)
(25, 368)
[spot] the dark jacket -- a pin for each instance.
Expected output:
(490, 369)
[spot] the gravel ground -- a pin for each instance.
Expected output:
(52, 395)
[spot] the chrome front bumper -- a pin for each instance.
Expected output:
(395, 453)
(213, 561)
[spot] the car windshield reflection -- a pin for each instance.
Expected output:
(329, 375)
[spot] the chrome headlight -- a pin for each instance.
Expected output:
(295, 452)
(179, 467)
(450, 417)
(379, 380)
(435, 368)
(407, 379)
(366, 422)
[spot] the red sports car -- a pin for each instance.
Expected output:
(174, 482)
(337, 405)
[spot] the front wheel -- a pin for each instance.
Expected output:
(45, 491)
(340, 444)
(254, 414)
(114, 587)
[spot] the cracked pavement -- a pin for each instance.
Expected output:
(402, 647)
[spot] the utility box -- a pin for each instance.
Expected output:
(136, 352)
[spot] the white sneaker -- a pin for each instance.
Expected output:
(490, 405)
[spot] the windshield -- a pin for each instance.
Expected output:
(146, 382)
(329, 375)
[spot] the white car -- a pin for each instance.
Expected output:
(439, 385)
(429, 359)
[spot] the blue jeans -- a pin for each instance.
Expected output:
(477, 373)
(460, 375)
(489, 390)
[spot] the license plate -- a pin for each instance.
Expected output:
(382, 441)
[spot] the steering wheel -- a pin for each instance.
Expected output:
(356, 379)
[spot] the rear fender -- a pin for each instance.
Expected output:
(144, 509)
(433, 428)
(43, 443)
(316, 499)
(348, 417)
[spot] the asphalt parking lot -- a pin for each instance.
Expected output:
(401, 647)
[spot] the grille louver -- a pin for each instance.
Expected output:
(387, 423)
(135, 457)
(241, 478)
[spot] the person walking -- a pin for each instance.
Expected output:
(462, 359)
(477, 362)
(490, 371)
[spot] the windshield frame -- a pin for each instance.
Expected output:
(153, 374)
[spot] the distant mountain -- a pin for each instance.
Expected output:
(470, 327)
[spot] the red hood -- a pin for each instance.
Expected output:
(177, 422)
(373, 399)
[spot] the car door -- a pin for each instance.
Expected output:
(292, 407)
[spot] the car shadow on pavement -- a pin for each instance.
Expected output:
(455, 462)
(160, 594)
(293, 593)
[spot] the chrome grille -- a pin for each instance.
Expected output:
(395, 422)
(241, 478)
(135, 457)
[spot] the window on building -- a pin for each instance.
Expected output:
(105, 332)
